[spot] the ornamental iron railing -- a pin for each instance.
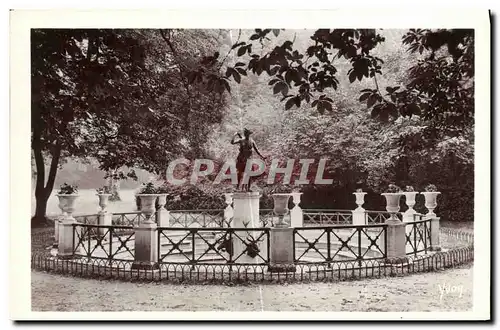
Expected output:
(198, 218)
(319, 217)
(90, 219)
(340, 243)
(378, 217)
(459, 252)
(418, 236)
(128, 219)
(213, 245)
(103, 242)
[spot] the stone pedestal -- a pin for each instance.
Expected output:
(296, 214)
(146, 246)
(435, 244)
(67, 238)
(58, 220)
(163, 217)
(408, 216)
(67, 206)
(396, 241)
(281, 254)
(246, 209)
(358, 217)
(245, 215)
(57, 225)
(104, 219)
(228, 211)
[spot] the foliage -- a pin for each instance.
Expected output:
(330, 84)
(417, 141)
(431, 188)
(67, 189)
(103, 190)
(392, 188)
(409, 189)
(162, 189)
(281, 188)
(120, 96)
(440, 86)
(148, 188)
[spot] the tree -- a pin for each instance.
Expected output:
(423, 96)
(113, 95)
(440, 87)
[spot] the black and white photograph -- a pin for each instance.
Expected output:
(288, 168)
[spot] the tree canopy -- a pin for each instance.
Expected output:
(383, 105)
(119, 96)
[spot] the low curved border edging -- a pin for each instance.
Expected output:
(185, 273)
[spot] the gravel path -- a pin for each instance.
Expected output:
(414, 293)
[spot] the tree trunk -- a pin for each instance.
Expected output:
(42, 191)
(39, 219)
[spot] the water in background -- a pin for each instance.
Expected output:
(88, 203)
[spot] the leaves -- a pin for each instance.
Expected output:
(242, 51)
(282, 87)
(290, 103)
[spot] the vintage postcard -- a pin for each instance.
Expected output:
(263, 165)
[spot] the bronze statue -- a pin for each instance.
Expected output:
(247, 146)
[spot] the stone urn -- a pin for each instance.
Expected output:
(410, 201)
(67, 205)
(360, 200)
(162, 201)
(431, 202)
(296, 214)
(62, 204)
(296, 198)
(281, 208)
(392, 206)
(148, 205)
(103, 202)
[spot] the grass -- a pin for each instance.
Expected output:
(401, 294)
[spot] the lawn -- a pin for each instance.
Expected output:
(419, 292)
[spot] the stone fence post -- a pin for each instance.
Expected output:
(146, 236)
(64, 225)
(68, 237)
(281, 237)
(396, 240)
(435, 244)
(246, 215)
(281, 254)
